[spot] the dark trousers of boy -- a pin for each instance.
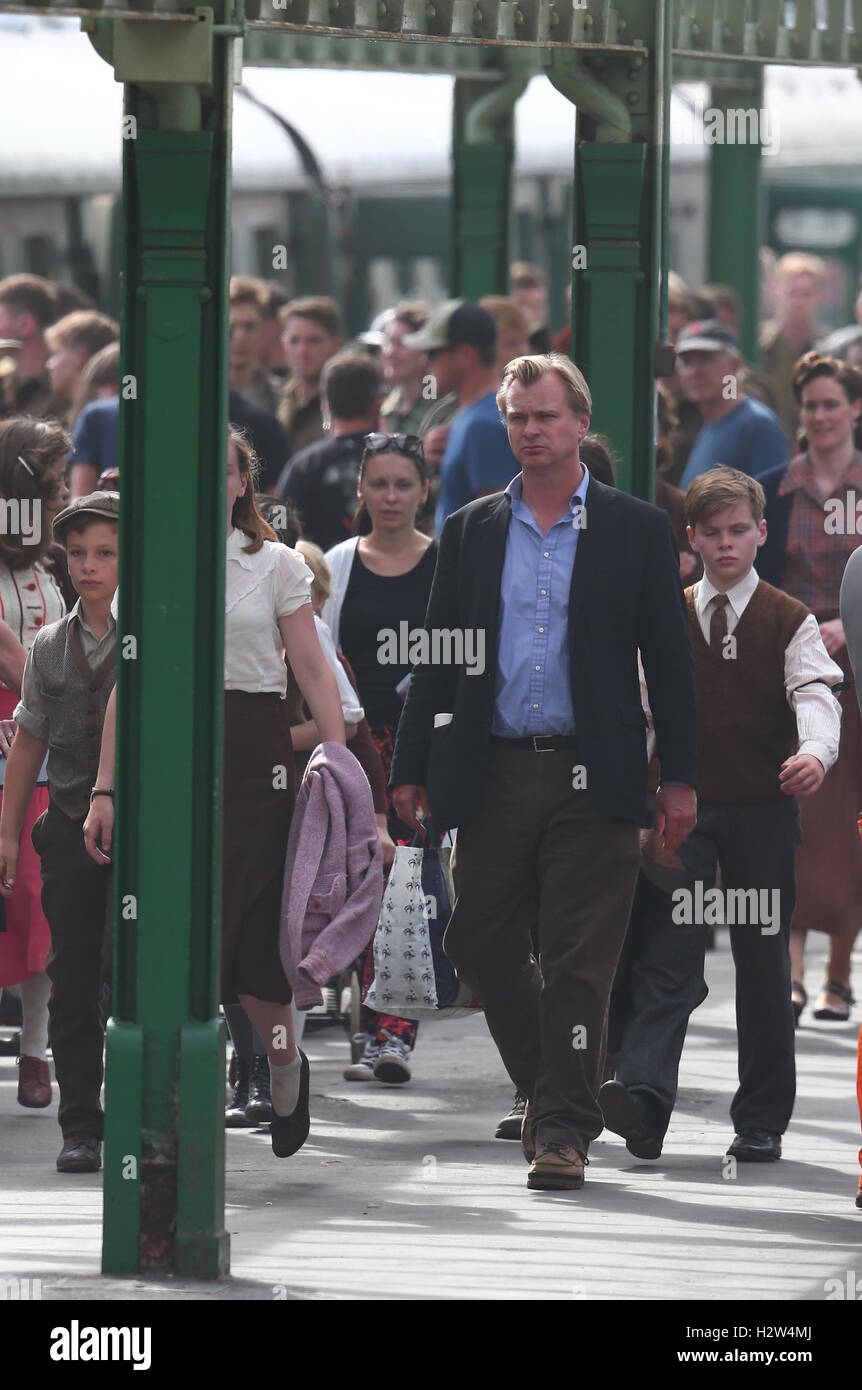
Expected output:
(755, 846)
(75, 900)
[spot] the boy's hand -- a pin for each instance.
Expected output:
(8, 730)
(833, 635)
(8, 865)
(801, 775)
(99, 829)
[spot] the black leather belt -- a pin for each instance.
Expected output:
(541, 743)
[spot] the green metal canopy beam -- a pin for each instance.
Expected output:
(313, 32)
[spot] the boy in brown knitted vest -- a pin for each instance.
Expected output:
(68, 677)
(768, 732)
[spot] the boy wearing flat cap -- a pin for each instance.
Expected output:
(68, 677)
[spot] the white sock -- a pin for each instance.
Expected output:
(284, 1083)
(35, 994)
(298, 1022)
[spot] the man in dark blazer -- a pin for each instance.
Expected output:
(539, 758)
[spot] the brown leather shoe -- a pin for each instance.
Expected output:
(34, 1083)
(528, 1132)
(556, 1166)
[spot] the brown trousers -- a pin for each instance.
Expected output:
(539, 858)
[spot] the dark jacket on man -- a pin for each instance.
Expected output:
(626, 594)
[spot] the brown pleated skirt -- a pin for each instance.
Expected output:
(259, 794)
(829, 862)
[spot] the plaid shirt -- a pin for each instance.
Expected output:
(815, 560)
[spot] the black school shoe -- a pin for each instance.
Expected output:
(511, 1124)
(289, 1132)
(81, 1153)
(258, 1110)
(625, 1116)
(755, 1146)
(234, 1115)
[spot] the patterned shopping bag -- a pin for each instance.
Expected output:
(412, 975)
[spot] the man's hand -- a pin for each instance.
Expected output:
(833, 635)
(8, 730)
(407, 800)
(434, 443)
(801, 775)
(99, 829)
(675, 815)
(8, 865)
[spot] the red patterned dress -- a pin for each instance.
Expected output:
(829, 862)
(30, 598)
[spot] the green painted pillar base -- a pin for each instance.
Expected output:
(121, 1202)
(202, 1243)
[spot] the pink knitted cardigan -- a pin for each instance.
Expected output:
(333, 874)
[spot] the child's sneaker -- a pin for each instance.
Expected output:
(392, 1065)
(363, 1070)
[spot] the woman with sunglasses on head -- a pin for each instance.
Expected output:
(812, 523)
(32, 464)
(381, 579)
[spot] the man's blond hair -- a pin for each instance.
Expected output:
(529, 370)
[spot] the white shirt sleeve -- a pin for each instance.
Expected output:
(818, 713)
(293, 581)
(350, 706)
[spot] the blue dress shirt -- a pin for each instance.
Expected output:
(533, 690)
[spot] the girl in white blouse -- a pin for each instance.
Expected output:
(267, 614)
(32, 491)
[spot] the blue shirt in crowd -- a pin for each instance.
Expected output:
(533, 691)
(477, 458)
(95, 438)
(750, 439)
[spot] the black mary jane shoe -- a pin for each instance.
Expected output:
(798, 988)
(755, 1146)
(289, 1132)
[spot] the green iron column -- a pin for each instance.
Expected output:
(620, 235)
(164, 1141)
(734, 194)
(483, 152)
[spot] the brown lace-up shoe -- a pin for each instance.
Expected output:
(528, 1132)
(556, 1166)
(34, 1083)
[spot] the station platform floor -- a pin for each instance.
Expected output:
(402, 1193)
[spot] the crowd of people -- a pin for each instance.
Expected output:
(436, 470)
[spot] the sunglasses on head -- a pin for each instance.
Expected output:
(409, 444)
